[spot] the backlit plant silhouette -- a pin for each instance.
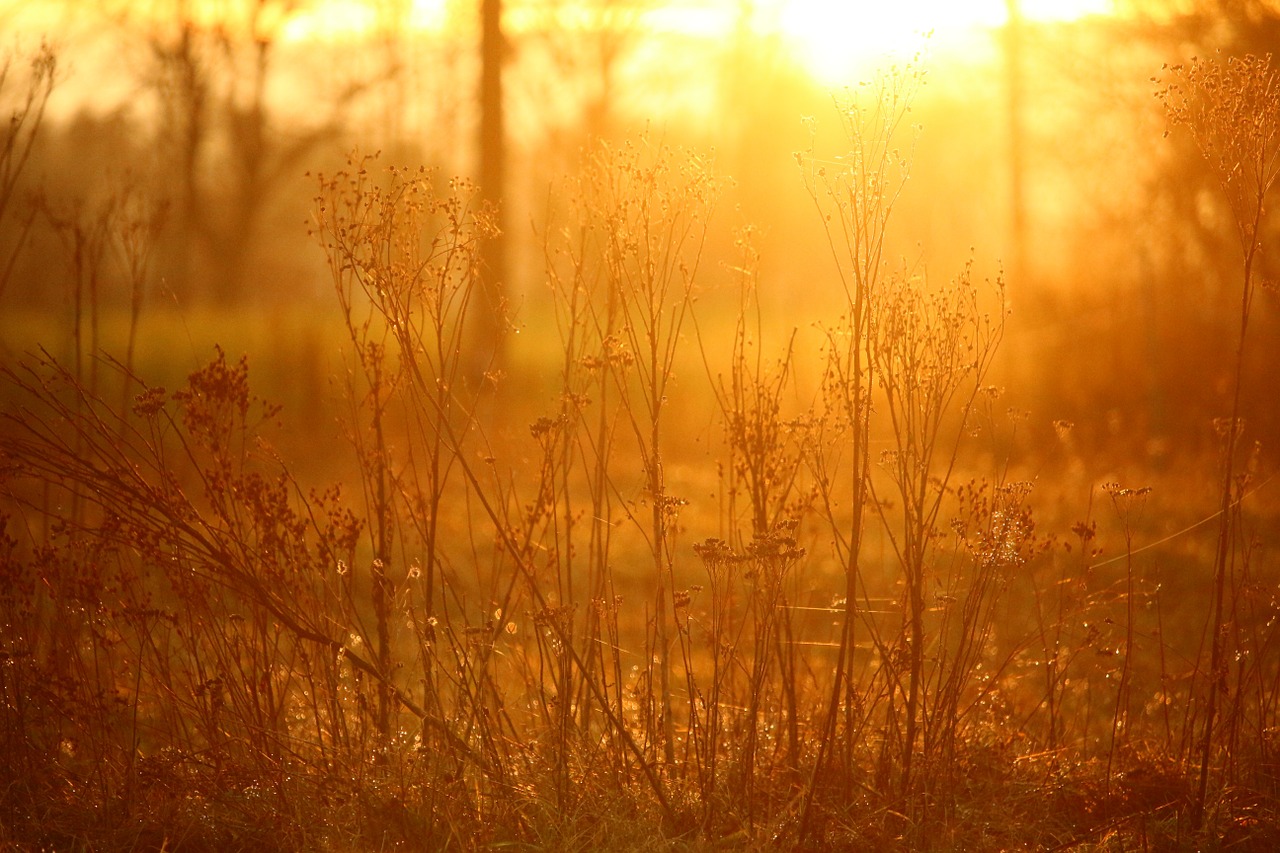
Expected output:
(657, 587)
(1231, 109)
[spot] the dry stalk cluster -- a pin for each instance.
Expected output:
(502, 633)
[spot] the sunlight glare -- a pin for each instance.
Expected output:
(834, 41)
(333, 20)
(429, 14)
(838, 40)
(337, 20)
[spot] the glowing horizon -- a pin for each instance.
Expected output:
(831, 40)
(837, 40)
(836, 43)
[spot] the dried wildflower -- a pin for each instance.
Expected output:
(1126, 501)
(773, 546)
(149, 402)
(544, 429)
(1231, 108)
(714, 552)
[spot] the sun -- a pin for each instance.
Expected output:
(836, 41)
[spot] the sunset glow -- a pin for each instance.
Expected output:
(836, 40)
(334, 20)
(832, 40)
(698, 425)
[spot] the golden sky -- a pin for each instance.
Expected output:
(833, 37)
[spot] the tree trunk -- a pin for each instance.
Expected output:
(488, 326)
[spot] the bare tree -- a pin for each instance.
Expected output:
(211, 69)
(17, 138)
(585, 44)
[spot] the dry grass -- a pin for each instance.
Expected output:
(572, 631)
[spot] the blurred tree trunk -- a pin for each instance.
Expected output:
(180, 82)
(616, 31)
(1014, 72)
(588, 55)
(489, 327)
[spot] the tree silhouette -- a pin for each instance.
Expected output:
(16, 140)
(493, 154)
(229, 155)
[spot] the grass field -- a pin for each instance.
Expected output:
(653, 573)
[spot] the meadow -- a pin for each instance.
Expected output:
(645, 569)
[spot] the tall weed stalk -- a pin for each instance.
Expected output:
(1231, 109)
(854, 196)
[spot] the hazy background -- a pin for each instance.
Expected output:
(190, 127)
